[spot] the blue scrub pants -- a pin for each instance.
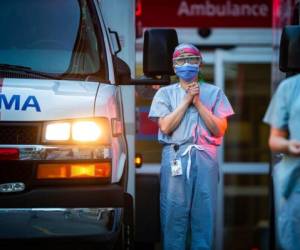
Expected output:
(287, 207)
(188, 206)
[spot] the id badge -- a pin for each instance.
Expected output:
(176, 168)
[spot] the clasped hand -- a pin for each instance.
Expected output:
(193, 91)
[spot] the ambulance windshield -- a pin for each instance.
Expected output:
(58, 38)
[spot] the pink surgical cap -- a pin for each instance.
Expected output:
(185, 48)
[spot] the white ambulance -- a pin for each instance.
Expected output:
(66, 125)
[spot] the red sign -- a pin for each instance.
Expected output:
(147, 126)
(282, 12)
(206, 13)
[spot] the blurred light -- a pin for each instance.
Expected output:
(86, 131)
(71, 171)
(138, 160)
(52, 171)
(138, 10)
(90, 170)
(9, 154)
(58, 131)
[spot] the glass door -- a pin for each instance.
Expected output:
(245, 77)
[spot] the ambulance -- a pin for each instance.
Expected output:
(67, 117)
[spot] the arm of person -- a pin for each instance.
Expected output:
(279, 142)
(171, 121)
(216, 125)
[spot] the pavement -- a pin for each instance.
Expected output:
(51, 230)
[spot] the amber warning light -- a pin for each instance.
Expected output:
(138, 160)
(74, 171)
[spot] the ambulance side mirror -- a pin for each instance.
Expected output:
(159, 45)
(289, 58)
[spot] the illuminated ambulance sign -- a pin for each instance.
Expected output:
(227, 8)
(207, 13)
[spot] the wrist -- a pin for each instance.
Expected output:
(287, 147)
(186, 101)
(198, 103)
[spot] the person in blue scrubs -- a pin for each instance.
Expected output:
(192, 119)
(283, 115)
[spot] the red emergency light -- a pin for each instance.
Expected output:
(9, 154)
(138, 11)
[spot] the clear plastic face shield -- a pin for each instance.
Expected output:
(194, 60)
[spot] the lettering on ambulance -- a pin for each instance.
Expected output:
(225, 9)
(15, 101)
(31, 102)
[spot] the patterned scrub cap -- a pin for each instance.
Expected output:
(186, 48)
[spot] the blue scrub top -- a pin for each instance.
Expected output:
(284, 113)
(284, 109)
(192, 128)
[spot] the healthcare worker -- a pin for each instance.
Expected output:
(283, 115)
(192, 121)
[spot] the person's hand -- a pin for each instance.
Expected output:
(196, 99)
(294, 148)
(192, 91)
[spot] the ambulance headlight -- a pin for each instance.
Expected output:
(78, 131)
(85, 131)
(60, 131)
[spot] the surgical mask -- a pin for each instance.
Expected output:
(187, 72)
